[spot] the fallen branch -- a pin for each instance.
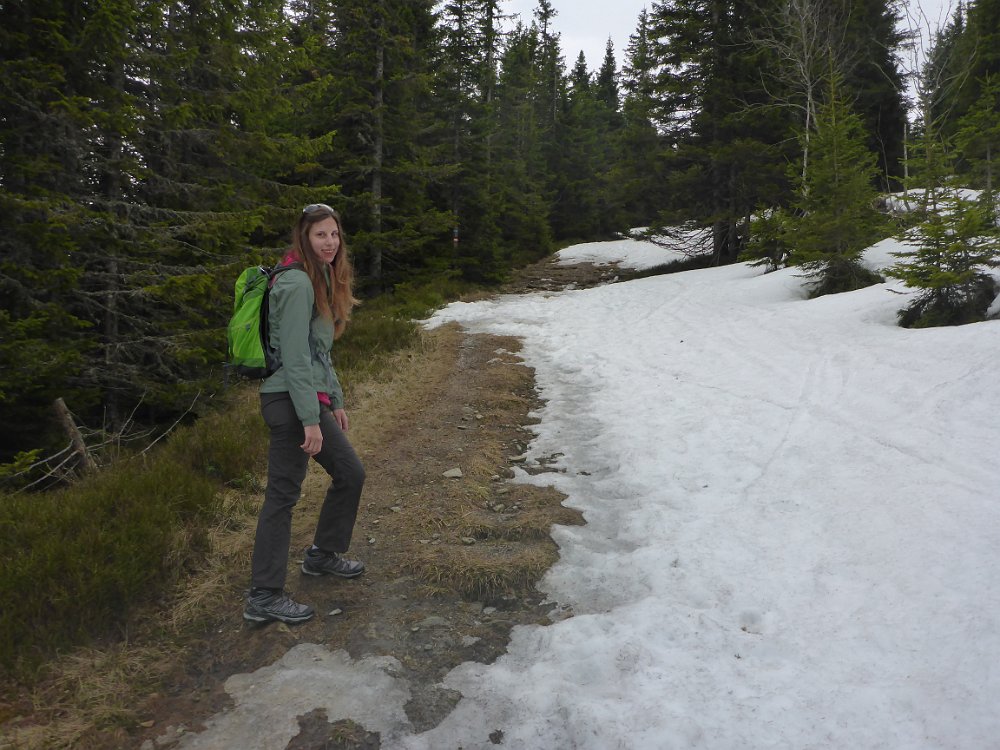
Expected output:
(75, 438)
(171, 428)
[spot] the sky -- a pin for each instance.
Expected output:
(792, 533)
(586, 24)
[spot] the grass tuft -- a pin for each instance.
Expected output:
(483, 571)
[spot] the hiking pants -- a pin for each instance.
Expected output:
(286, 468)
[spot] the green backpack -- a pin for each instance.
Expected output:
(250, 351)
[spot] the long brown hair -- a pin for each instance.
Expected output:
(333, 300)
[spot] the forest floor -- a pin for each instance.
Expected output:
(452, 562)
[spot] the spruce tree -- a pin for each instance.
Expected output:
(721, 145)
(467, 85)
(66, 114)
(953, 244)
(141, 156)
(575, 182)
(388, 154)
(636, 176)
(875, 82)
(518, 148)
(836, 218)
(978, 137)
(606, 89)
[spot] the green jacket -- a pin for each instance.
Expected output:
(303, 340)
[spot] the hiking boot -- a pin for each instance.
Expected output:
(319, 563)
(266, 605)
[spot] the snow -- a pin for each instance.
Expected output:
(904, 202)
(637, 254)
(793, 526)
(792, 533)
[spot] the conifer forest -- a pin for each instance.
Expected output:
(151, 149)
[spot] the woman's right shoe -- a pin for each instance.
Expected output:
(320, 563)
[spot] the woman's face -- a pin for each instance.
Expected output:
(324, 239)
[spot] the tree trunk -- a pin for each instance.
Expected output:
(378, 144)
(73, 432)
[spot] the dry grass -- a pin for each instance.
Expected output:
(409, 424)
(483, 571)
(92, 691)
(90, 696)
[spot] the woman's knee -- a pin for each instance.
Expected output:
(353, 474)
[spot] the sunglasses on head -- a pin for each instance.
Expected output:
(314, 207)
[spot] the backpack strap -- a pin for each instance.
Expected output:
(279, 268)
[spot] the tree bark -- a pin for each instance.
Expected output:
(73, 432)
(378, 145)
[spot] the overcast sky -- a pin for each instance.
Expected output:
(587, 24)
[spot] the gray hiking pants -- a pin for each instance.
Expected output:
(286, 468)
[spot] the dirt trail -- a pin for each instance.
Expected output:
(452, 562)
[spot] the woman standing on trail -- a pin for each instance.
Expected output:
(303, 406)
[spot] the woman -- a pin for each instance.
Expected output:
(303, 406)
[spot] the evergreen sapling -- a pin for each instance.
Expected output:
(954, 243)
(836, 211)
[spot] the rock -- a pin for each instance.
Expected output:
(455, 473)
(468, 540)
(336, 611)
(434, 621)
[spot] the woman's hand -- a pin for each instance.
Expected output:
(341, 416)
(314, 439)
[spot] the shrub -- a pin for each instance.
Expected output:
(77, 561)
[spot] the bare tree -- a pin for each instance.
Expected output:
(809, 41)
(932, 69)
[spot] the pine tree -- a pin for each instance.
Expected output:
(954, 242)
(854, 39)
(876, 84)
(64, 117)
(721, 145)
(166, 163)
(978, 136)
(977, 59)
(575, 212)
(467, 86)
(606, 83)
(837, 216)
(518, 149)
(639, 182)
(388, 154)
(963, 57)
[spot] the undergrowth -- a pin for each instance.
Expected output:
(79, 562)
